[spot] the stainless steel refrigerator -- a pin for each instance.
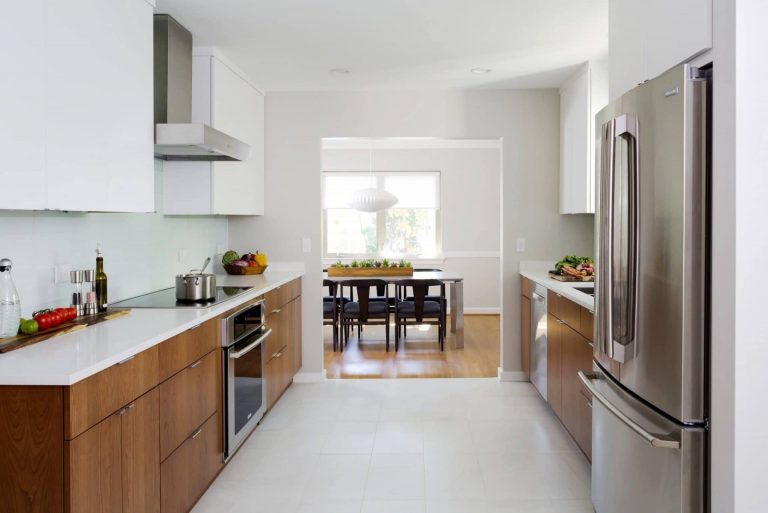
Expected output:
(650, 390)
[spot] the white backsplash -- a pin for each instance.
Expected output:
(141, 251)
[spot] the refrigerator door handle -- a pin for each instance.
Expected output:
(604, 283)
(658, 441)
(622, 248)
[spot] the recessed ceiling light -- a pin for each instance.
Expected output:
(340, 71)
(480, 71)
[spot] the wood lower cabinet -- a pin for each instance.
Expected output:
(555, 364)
(114, 466)
(525, 335)
(283, 350)
(190, 469)
(31, 449)
(576, 411)
(140, 443)
(295, 335)
(187, 399)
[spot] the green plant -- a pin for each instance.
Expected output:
(408, 265)
(385, 263)
(338, 264)
(355, 263)
(401, 263)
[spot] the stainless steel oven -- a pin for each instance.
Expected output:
(243, 338)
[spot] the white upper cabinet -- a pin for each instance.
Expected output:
(581, 97)
(646, 38)
(78, 94)
(223, 98)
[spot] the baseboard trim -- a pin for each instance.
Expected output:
(309, 377)
(511, 375)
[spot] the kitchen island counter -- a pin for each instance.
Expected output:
(67, 359)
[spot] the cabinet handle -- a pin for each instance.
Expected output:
(276, 310)
(196, 433)
(560, 321)
(278, 355)
(196, 363)
(591, 312)
(123, 411)
(195, 327)
(126, 360)
(275, 355)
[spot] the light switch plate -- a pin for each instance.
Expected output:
(306, 245)
(520, 244)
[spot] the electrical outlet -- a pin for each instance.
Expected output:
(520, 244)
(61, 273)
(306, 245)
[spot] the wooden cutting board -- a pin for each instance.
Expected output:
(561, 277)
(19, 341)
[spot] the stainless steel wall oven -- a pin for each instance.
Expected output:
(243, 337)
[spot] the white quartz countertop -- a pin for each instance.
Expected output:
(539, 273)
(69, 358)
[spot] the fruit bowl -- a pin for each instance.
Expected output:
(239, 270)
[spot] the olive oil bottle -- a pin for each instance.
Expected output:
(101, 282)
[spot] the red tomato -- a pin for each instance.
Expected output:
(44, 321)
(252, 263)
(72, 313)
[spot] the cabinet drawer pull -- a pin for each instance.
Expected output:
(197, 433)
(196, 363)
(276, 310)
(278, 355)
(195, 327)
(124, 410)
(130, 406)
(560, 321)
(275, 355)
(126, 360)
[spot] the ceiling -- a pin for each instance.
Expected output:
(291, 45)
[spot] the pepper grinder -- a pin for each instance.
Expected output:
(76, 278)
(89, 277)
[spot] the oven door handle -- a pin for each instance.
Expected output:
(251, 346)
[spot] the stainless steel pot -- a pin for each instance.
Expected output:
(196, 286)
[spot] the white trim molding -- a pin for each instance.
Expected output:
(310, 377)
(511, 375)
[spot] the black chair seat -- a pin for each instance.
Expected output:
(375, 309)
(408, 308)
(328, 309)
(427, 298)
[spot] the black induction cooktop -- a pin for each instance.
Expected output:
(166, 298)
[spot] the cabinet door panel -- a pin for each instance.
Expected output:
(141, 455)
(525, 335)
(191, 468)
(626, 38)
(98, 102)
(577, 416)
(187, 399)
(295, 337)
(22, 131)
(554, 365)
(93, 469)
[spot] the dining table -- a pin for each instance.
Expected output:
(455, 284)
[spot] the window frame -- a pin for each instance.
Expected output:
(381, 226)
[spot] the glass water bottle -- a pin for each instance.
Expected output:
(10, 306)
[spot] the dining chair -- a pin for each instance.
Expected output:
(363, 311)
(417, 309)
(331, 309)
(441, 297)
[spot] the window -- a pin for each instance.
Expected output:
(409, 229)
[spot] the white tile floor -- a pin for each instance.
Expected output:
(405, 446)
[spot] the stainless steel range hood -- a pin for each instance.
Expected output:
(176, 137)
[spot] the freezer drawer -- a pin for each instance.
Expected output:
(641, 461)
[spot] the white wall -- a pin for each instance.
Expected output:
(739, 343)
(528, 122)
(470, 209)
(140, 250)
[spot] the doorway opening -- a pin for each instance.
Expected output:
(446, 226)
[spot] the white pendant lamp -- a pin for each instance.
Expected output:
(372, 199)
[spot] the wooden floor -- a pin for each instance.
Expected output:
(419, 356)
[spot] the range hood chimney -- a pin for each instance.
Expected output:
(176, 137)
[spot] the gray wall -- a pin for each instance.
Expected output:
(528, 122)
